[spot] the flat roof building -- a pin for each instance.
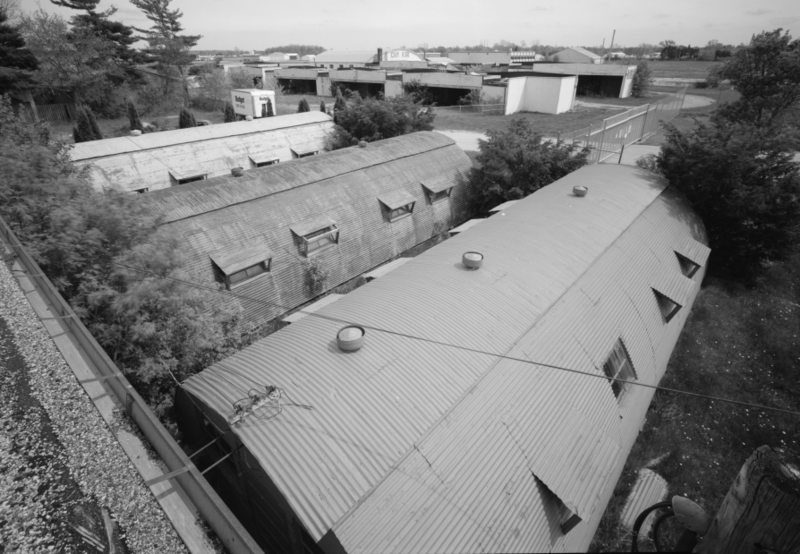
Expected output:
(452, 428)
(576, 54)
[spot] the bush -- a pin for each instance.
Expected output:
(303, 106)
(230, 115)
(322, 106)
(270, 111)
(316, 277)
(473, 98)
(186, 120)
(133, 117)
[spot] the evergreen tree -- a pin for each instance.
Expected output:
(322, 107)
(230, 115)
(340, 103)
(270, 111)
(133, 117)
(642, 80)
(98, 135)
(302, 106)
(83, 131)
(263, 110)
(186, 119)
(16, 61)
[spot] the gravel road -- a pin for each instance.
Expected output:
(63, 476)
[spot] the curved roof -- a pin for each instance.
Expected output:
(431, 446)
(156, 160)
(347, 56)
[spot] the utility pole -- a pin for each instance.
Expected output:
(761, 512)
(611, 47)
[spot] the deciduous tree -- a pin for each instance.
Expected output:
(642, 80)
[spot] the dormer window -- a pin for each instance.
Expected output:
(237, 266)
(672, 291)
(262, 161)
(667, 306)
(397, 205)
(187, 177)
(304, 152)
(618, 365)
(437, 192)
(692, 255)
(315, 236)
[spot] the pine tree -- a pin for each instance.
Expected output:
(264, 110)
(133, 117)
(302, 106)
(270, 112)
(17, 62)
(82, 132)
(186, 119)
(230, 115)
(322, 107)
(98, 135)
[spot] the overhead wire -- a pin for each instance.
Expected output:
(470, 349)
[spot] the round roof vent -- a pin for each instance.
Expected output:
(136, 133)
(350, 338)
(472, 260)
(363, 144)
(248, 118)
(237, 171)
(579, 191)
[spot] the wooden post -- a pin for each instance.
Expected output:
(761, 512)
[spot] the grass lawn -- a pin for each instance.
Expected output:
(287, 103)
(688, 69)
(687, 119)
(738, 343)
(547, 124)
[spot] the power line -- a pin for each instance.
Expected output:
(468, 349)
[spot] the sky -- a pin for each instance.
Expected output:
(368, 24)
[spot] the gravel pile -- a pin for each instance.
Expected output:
(60, 465)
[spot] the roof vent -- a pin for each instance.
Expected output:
(248, 118)
(350, 338)
(136, 133)
(472, 260)
(362, 144)
(579, 191)
(237, 171)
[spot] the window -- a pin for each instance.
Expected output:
(688, 267)
(319, 240)
(235, 266)
(437, 193)
(619, 366)
(667, 306)
(182, 179)
(257, 161)
(397, 204)
(304, 152)
(248, 273)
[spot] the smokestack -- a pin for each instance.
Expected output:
(380, 55)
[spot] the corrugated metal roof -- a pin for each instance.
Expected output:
(386, 268)
(312, 308)
(198, 198)
(503, 206)
(650, 488)
(674, 286)
(695, 251)
(414, 446)
(133, 163)
(466, 225)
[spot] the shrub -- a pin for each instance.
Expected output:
(186, 119)
(303, 106)
(473, 98)
(322, 106)
(133, 117)
(316, 277)
(230, 115)
(270, 111)
(642, 79)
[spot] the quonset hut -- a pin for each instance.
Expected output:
(446, 432)
(262, 235)
(161, 160)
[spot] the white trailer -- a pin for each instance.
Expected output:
(252, 102)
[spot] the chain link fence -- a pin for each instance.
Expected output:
(480, 109)
(613, 134)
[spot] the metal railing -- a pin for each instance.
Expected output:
(482, 109)
(614, 133)
(56, 113)
(182, 472)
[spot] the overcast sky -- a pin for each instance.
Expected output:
(367, 24)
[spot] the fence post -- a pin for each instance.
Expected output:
(761, 512)
(622, 151)
(644, 125)
(602, 140)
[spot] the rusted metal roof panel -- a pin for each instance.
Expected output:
(414, 445)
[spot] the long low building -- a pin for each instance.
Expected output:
(156, 161)
(281, 235)
(452, 428)
(611, 80)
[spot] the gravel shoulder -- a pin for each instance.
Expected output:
(66, 485)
